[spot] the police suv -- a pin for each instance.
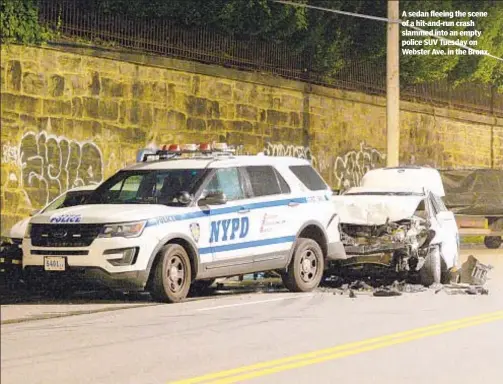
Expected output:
(186, 215)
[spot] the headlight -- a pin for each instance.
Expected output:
(28, 231)
(133, 229)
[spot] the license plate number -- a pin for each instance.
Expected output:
(54, 263)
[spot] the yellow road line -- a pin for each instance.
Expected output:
(266, 368)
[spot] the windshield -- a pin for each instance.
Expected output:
(69, 199)
(147, 187)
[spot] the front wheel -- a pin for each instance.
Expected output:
(431, 272)
(172, 275)
(306, 268)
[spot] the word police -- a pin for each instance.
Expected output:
(66, 219)
(222, 230)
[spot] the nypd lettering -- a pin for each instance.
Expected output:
(67, 218)
(229, 229)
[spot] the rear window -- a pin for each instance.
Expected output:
(309, 177)
(266, 180)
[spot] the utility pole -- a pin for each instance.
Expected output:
(393, 86)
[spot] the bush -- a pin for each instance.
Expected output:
(19, 23)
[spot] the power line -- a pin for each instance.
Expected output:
(384, 19)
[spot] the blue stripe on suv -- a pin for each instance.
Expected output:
(247, 244)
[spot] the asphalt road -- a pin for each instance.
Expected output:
(280, 337)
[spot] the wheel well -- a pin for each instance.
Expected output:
(190, 251)
(315, 233)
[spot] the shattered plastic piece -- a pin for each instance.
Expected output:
(352, 294)
(474, 272)
(386, 293)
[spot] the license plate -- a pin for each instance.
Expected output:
(54, 263)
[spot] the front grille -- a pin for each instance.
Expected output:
(64, 235)
(59, 253)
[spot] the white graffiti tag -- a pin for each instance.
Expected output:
(288, 150)
(350, 168)
(10, 154)
(51, 165)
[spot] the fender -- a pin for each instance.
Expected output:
(306, 224)
(168, 238)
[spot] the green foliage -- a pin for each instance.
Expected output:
(19, 22)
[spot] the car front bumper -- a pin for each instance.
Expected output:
(95, 263)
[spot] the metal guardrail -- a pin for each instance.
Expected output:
(164, 38)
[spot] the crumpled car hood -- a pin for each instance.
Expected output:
(375, 210)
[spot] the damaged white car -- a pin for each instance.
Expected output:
(397, 220)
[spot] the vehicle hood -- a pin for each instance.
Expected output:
(106, 213)
(18, 230)
(374, 210)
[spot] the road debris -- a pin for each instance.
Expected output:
(474, 272)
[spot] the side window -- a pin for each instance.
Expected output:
(228, 181)
(421, 210)
(440, 203)
(265, 181)
(309, 177)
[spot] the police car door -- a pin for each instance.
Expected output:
(229, 223)
(272, 225)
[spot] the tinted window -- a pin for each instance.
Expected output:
(265, 180)
(228, 181)
(285, 188)
(137, 187)
(309, 177)
(68, 199)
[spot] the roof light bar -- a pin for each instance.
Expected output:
(170, 151)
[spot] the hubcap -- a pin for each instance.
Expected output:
(308, 265)
(176, 273)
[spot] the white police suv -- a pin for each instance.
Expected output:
(186, 215)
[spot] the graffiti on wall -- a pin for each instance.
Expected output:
(280, 149)
(348, 169)
(51, 164)
(10, 153)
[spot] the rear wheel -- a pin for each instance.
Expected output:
(306, 268)
(431, 272)
(172, 275)
(493, 242)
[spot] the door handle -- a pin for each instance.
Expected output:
(243, 210)
(293, 204)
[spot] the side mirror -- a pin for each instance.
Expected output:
(184, 197)
(213, 198)
(34, 212)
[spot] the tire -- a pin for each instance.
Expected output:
(172, 275)
(431, 272)
(306, 267)
(493, 242)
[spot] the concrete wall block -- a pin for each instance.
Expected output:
(108, 110)
(57, 107)
(14, 75)
(69, 63)
(247, 112)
